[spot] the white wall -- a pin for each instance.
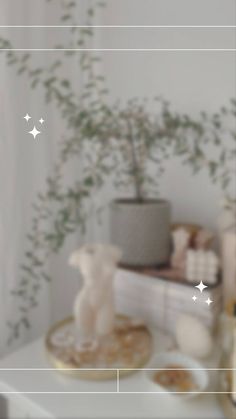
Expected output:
(192, 81)
(24, 166)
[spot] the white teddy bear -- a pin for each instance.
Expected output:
(94, 305)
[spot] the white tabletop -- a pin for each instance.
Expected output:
(50, 394)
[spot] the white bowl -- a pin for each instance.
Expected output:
(162, 360)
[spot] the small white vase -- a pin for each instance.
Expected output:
(227, 218)
(227, 235)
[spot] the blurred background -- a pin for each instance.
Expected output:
(183, 52)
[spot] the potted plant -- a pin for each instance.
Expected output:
(140, 222)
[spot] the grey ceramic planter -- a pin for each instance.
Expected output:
(141, 230)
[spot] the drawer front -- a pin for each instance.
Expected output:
(16, 406)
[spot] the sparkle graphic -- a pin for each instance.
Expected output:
(201, 286)
(34, 132)
(41, 121)
(27, 117)
(194, 298)
(208, 301)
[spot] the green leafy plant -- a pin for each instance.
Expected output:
(126, 144)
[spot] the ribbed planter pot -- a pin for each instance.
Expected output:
(141, 230)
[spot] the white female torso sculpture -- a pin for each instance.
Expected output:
(94, 306)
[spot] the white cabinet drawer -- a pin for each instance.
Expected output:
(17, 406)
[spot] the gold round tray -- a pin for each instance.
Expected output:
(129, 346)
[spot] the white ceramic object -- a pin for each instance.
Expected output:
(181, 239)
(94, 305)
(202, 265)
(163, 359)
(193, 337)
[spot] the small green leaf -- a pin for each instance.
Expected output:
(22, 70)
(46, 277)
(65, 83)
(88, 181)
(25, 322)
(66, 17)
(90, 12)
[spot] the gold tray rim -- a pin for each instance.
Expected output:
(94, 374)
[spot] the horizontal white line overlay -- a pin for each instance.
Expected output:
(120, 49)
(118, 383)
(120, 27)
(119, 369)
(123, 26)
(114, 392)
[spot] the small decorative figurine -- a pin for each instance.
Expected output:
(202, 265)
(94, 305)
(180, 243)
(203, 239)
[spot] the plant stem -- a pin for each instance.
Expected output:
(135, 169)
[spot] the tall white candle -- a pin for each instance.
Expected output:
(234, 366)
(229, 264)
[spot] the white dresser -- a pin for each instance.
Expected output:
(44, 393)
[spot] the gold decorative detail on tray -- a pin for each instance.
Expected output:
(129, 346)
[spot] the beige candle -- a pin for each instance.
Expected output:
(229, 264)
(234, 359)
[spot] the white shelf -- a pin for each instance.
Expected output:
(100, 405)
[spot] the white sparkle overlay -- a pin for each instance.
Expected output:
(34, 132)
(27, 117)
(201, 286)
(208, 301)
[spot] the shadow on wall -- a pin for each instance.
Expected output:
(3, 408)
